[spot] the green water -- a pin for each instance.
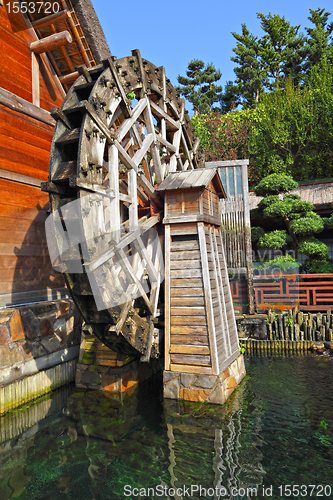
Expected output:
(276, 430)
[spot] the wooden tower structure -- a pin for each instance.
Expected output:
(200, 328)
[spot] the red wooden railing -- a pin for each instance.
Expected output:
(310, 292)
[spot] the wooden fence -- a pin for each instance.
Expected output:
(235, 221)
(309, 292)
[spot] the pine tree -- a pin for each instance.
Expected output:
(250, 74)
(281, 49)
(264, 63)
(320, 39)
(199, 88)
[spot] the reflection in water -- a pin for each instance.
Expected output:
(276, 429)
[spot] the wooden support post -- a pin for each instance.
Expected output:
(51, 42)
(114, 185)
(248, 245)
(167, 296)
(35, 79)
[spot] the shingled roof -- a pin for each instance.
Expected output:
(190, 179)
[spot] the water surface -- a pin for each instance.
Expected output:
(276, 430)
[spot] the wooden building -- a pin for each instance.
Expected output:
(41, 55)
(200, 328)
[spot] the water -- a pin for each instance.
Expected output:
(276, 430)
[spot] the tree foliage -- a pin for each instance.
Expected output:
(223, 137)
(319, 44)
(264, 64)
(199, 87)
(292, 129)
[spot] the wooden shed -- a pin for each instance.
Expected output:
(200, 327)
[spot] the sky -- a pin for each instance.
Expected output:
(174, 32)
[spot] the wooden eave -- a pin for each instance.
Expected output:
(67, 58)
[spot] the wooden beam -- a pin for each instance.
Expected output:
(94, 188)
(127, 109)
(155, 150)
(22, 106)
(132, 192)
(149, 190)
(142, 74)
(143, 150)
(51, 42)
(127, 124)
(71, 77)
(226, 163)
(125, 240)
(52, 19)
(173, 125)
(125, 158)
(77, 37)
(129, 272)
(23, 179)
(114, 185)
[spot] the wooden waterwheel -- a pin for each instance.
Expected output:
(121, 129)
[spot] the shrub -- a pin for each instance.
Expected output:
(275, 184)
(274, 239)
(314, 248)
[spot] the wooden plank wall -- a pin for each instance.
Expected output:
(24, 150)
(180, 202)
(210, 202)
(189, 341)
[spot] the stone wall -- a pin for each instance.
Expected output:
(204, 388)
(33, 339)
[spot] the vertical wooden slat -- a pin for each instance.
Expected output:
(35, 79)
(167, 296)
(133, 208)
(248, 244)
(227, 293)
(222, 279)
(208, 298)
